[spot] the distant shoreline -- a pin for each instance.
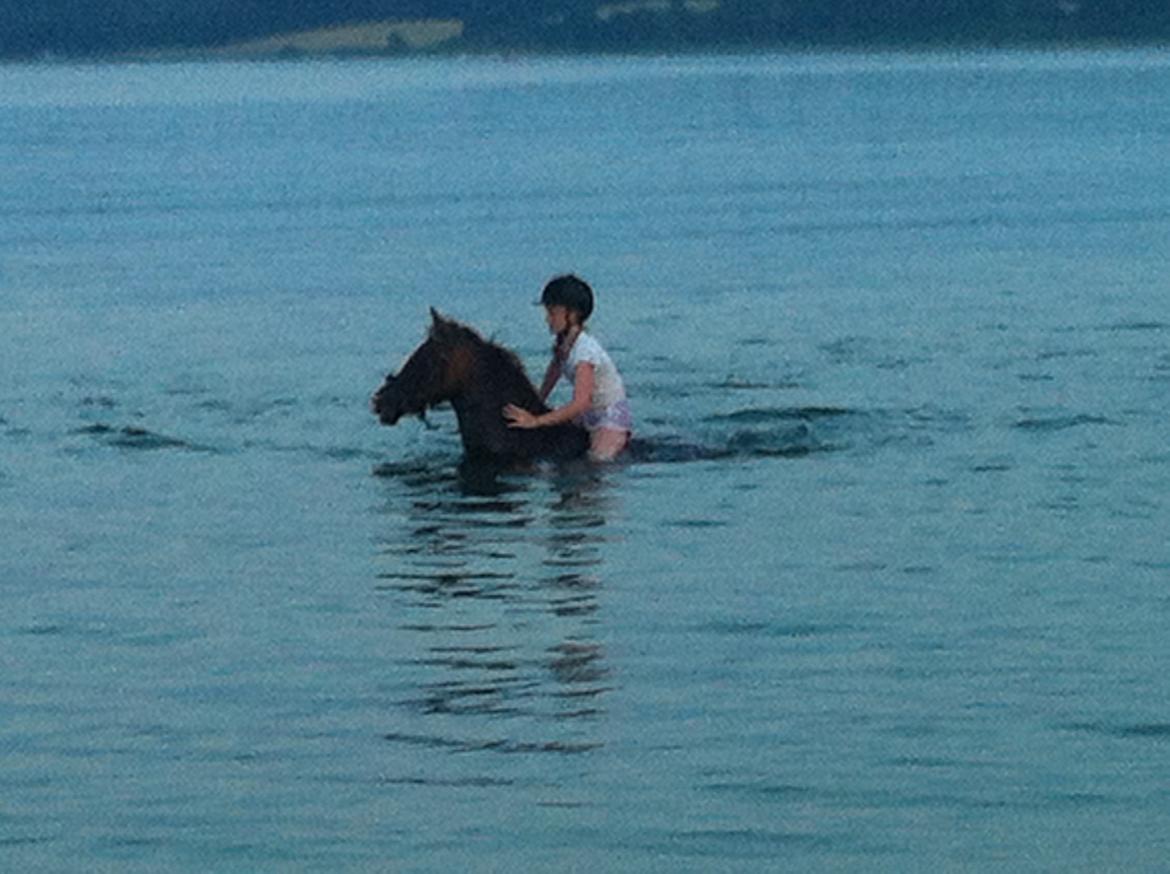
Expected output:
(178, 56)
(446, 38)
(381, 38)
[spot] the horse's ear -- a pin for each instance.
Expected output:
(440, 327)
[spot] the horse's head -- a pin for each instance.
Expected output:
(435, 372)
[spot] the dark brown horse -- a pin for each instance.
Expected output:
(479, 378)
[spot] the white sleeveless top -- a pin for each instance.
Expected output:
(608, 387)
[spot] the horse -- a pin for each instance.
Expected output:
(478, 377)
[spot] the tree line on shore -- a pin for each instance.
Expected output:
(83, 28)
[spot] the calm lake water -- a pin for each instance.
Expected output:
(914, 618)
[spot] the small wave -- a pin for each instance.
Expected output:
(696, 523)
(133, 437)
(1159, 731)
(1061, 354)
(1137, 325)
(1152, 730)
(754, 432)
(735, 383)
(1060, 423)
(110, 632)
(745, 445)
(341, 453)
(45, 629)
(747, 628)
(17, 841)
(780, 414)
(457, 782)
(500, 746)
(793, 443)
(672, 450)
(762, 790)
(250, 410)
(992, 467)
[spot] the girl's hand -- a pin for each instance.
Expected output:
(518, 417)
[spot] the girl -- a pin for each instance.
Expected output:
(599, 397)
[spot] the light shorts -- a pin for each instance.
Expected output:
(616, 416)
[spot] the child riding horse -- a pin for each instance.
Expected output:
(479, 378)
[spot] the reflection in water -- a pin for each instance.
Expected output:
(499, 590)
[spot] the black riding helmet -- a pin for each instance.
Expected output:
(570, 292)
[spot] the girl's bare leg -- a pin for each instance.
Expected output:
(606, 443)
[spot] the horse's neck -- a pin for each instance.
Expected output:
(479, 408)
(497, 379)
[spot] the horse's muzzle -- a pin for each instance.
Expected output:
(386, 402)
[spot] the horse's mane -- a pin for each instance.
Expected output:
(504, 367)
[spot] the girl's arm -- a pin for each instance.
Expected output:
(582, 399)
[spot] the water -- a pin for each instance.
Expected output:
(909, 615)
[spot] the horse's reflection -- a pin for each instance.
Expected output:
(500, 590)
